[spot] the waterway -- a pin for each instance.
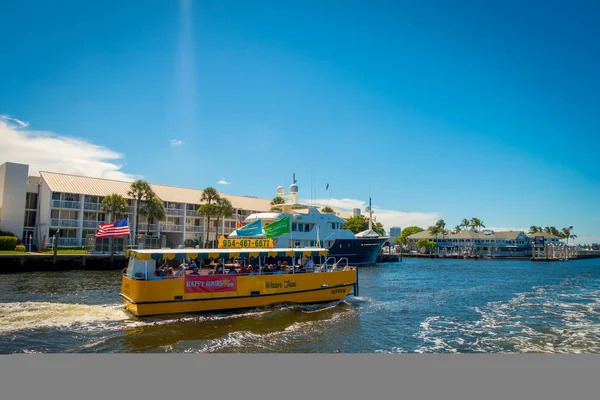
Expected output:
(418, 305)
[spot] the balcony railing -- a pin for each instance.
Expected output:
(171, 228)
(192, 213)
(144, 228)
(92, 206)
(65, 223)
(92, 224)
(174, 211)
(66, 204)
(193, 228)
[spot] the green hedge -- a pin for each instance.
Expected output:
(7, 233)
(20, 248)
(8, 242)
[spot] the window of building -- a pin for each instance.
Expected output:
(56, 195)
(31, 201)
(54, 214)
(69, 214)
(30, 219)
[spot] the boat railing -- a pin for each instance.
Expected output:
(336, 265)
(323, 267)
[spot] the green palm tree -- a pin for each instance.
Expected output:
(224, 208)
(275, 201)
(457, 228)
(327, 209)
(466, 223)
(115, 206)
(533, 229)
(209, 197)
(153, 210)
(566, 233)
(140, 190)
(434, 231)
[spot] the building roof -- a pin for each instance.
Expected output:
(506, 235)
(67, 183)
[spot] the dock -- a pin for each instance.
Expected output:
(387, 258)
(30, 262)
(563, 253)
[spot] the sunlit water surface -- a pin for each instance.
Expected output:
(423, 306)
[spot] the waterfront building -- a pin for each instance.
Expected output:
(484, 243)
(39, 206)
(395, 232)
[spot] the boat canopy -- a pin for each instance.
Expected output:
(170, 254)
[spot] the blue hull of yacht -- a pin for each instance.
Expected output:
(359, 252)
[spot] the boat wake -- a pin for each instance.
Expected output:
(546, 320)
(36, 315)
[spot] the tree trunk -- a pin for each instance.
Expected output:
(217, 230)
(137, 218)
(207, 239)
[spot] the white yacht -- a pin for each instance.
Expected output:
(312, 228)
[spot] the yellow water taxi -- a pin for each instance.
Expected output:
(196, 288)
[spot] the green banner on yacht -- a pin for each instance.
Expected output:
(278, 228)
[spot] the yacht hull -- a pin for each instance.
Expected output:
(359, 252)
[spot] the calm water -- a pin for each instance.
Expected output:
(424, 306)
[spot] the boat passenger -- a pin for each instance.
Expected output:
(244, 269)
(310, 265)
(195, 270)
(193, 264)
(179, 272)
(250, 270)
(219, 268)
(304, 261)
(232, 271)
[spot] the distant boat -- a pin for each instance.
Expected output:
(311, 228)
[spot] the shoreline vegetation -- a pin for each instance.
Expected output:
(475, 225)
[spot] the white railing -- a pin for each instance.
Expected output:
(174, 211)
(171, 228)
(145, 227)
(66, 204)
(192, 213)
(92, 206)
(92, 224)
(193, 228)
(68, 223)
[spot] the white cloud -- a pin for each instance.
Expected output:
(387, 217)
(47, 151)
(177, 142)
(223, 182)
(22, 124)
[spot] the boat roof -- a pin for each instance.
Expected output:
(169, 254)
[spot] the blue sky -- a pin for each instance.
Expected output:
(437, 110)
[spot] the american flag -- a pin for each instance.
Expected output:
(119, 228)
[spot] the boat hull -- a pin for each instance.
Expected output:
(359, 252)
(169, 296)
